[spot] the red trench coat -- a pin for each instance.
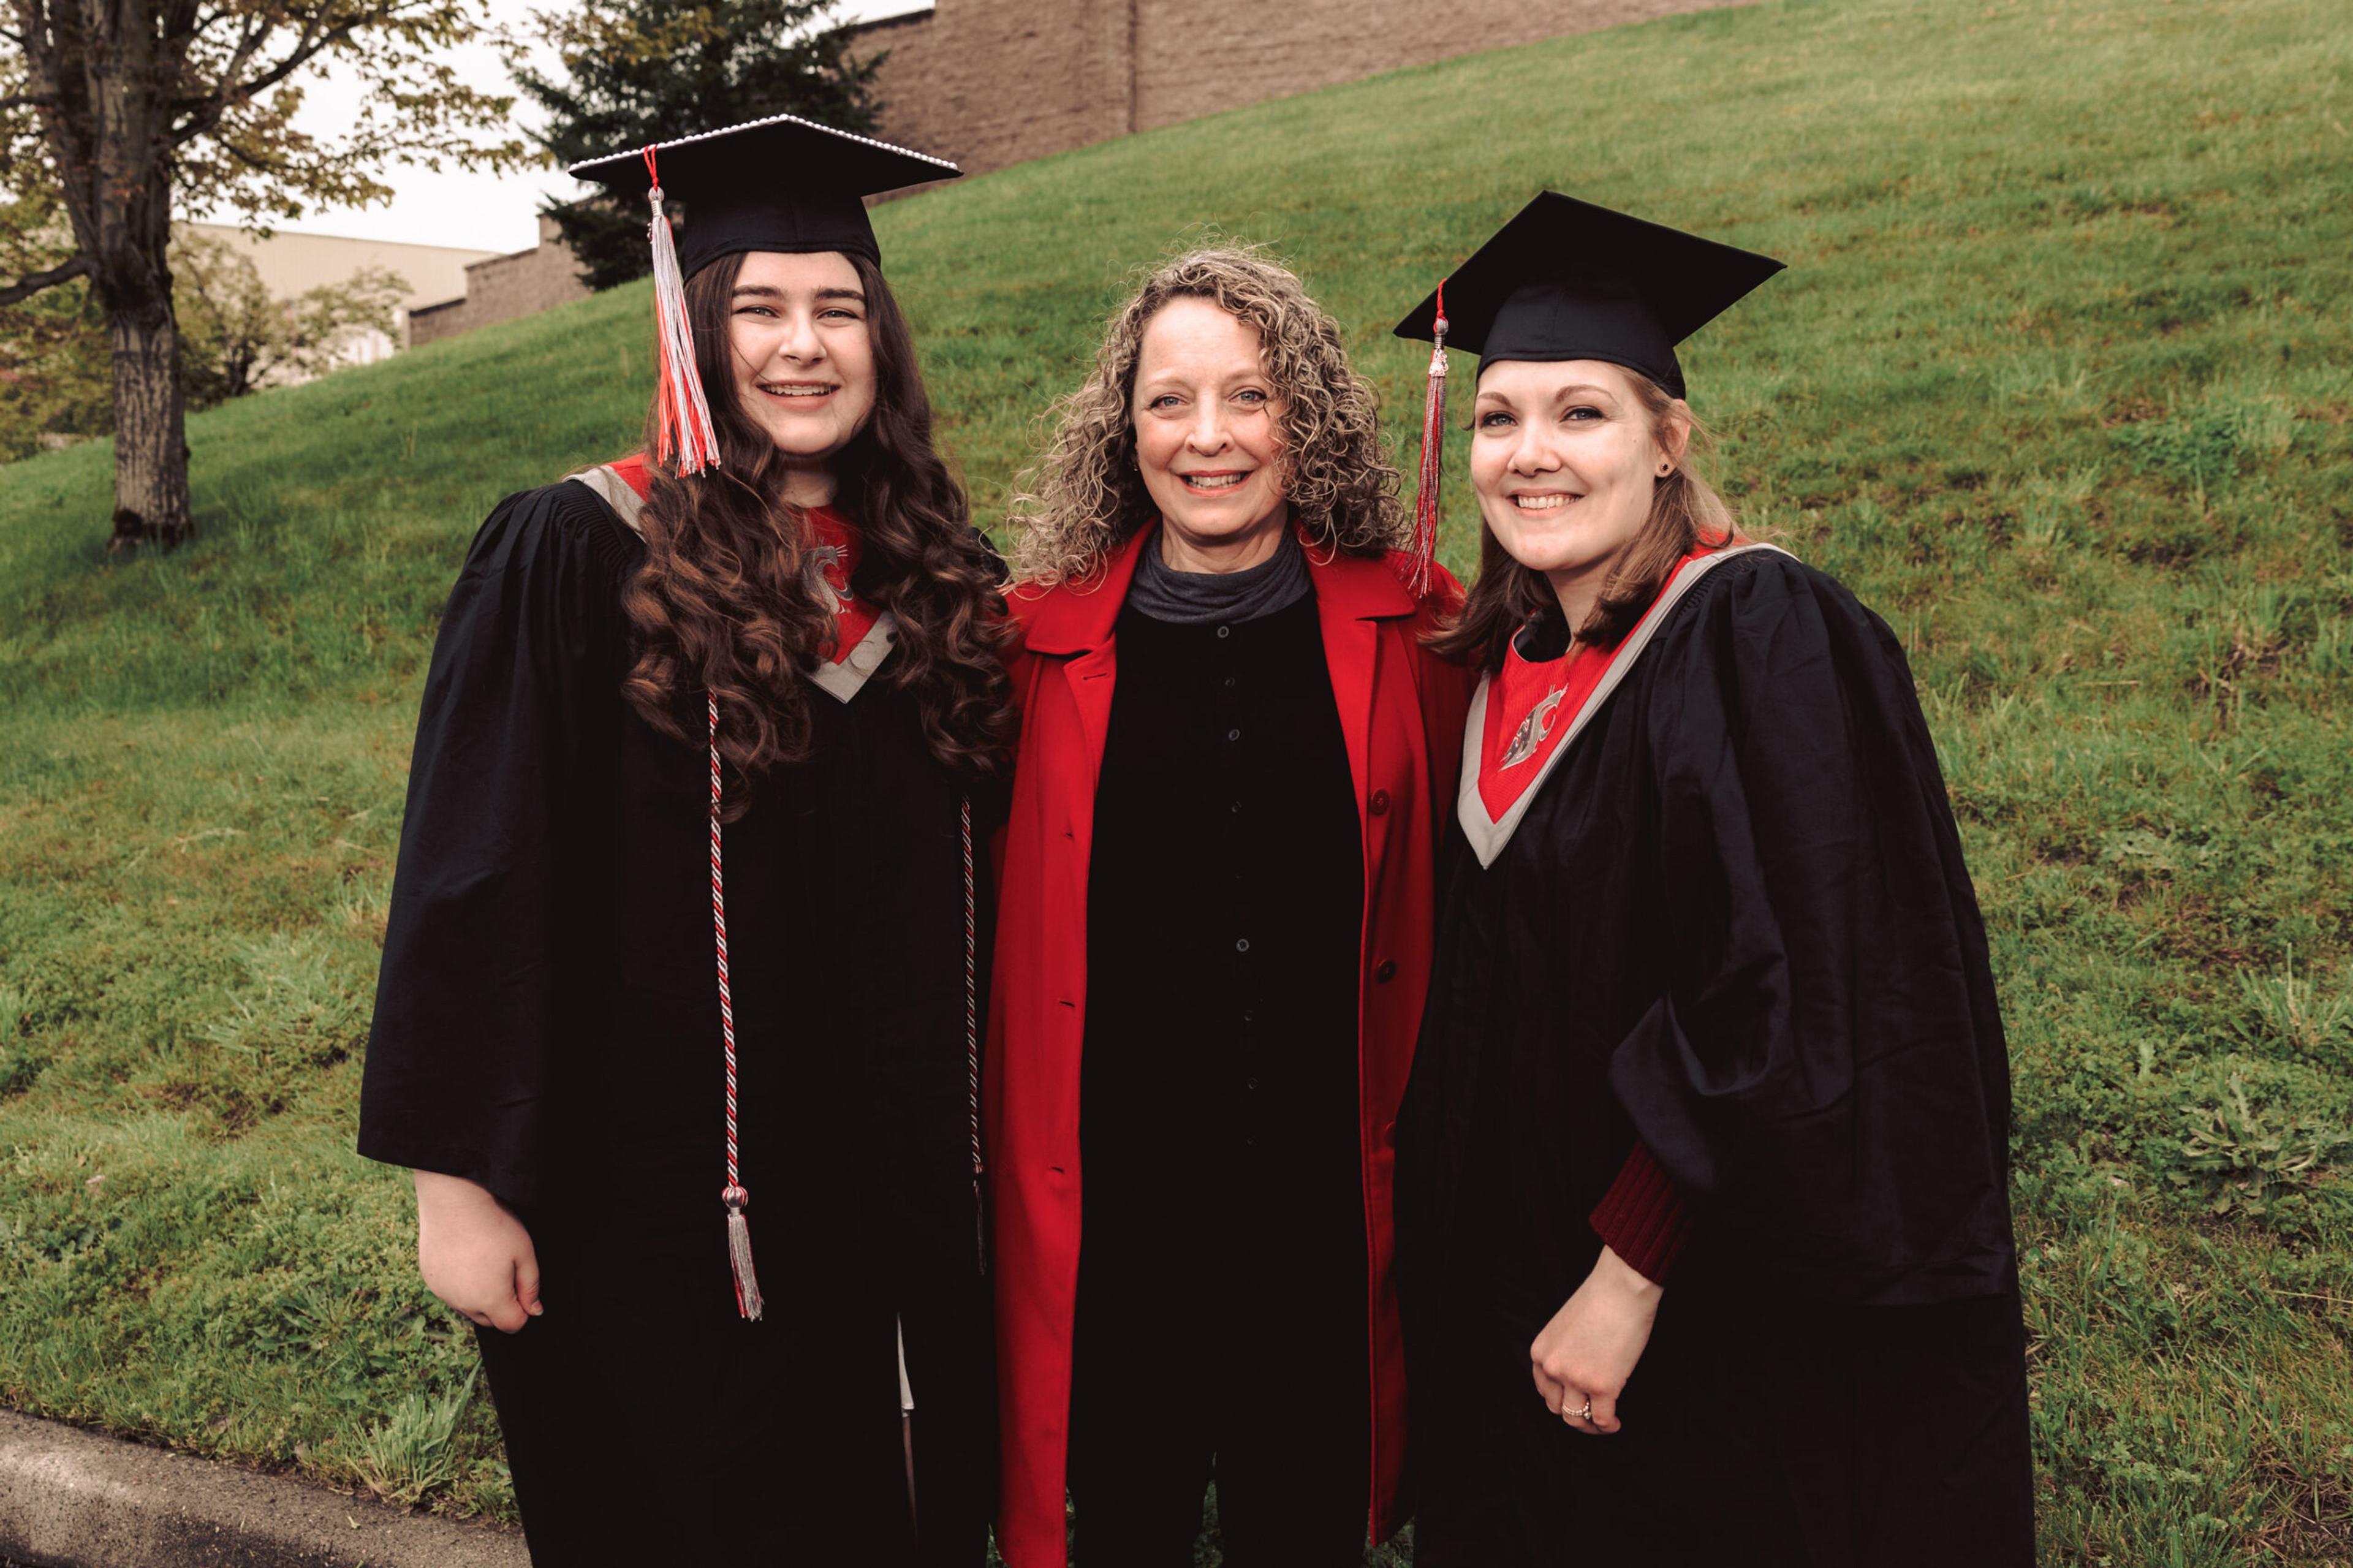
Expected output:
(1401, 709)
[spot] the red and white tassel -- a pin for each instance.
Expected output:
(682, 428)
(739, 1229)
(1433, 458)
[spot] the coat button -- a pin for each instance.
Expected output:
(1225, 631)
(1380, 802)
(1241, 944)
(1386, 972)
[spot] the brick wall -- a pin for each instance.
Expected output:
(503, 288)
(1002, 81)
(993, 82)
(1300, 45)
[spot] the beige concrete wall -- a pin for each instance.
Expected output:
(293, 264)
(991, 82)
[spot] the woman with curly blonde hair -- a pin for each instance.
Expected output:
(1213, 938)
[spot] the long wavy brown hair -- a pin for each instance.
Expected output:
(1686, 512)
(1085, 497)
(721, 603)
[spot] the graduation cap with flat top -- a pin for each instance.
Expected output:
(782, 183)
(1565, 280)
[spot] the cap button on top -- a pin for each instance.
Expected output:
(1380, 802)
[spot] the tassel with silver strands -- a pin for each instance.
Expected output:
(1433, 459)
(682, 416)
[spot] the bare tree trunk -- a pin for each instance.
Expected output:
(110, 137)
(150, 446)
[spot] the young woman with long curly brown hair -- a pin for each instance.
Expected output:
(1213, 935)
(684, 943)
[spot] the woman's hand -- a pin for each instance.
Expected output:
(474, 1254)
(1590, 1348)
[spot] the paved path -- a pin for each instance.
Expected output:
(69, 1499)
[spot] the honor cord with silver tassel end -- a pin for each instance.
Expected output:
(739, 1229)
(972, 1033)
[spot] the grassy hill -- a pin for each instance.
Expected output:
(2060, 381)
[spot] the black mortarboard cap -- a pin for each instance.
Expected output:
(782, 183)
(1567, 280)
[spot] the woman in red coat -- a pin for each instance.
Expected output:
(1213, 940)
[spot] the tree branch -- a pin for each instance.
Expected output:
(27, 287)
(232, 92)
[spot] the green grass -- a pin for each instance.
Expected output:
(2060, 380)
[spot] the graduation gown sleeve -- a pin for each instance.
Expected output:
(1825, 1078)
(470, 999)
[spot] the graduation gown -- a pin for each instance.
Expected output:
(1729, 923)
(548, 1026)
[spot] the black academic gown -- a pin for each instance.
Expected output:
(1735, 923)
(547, 1024)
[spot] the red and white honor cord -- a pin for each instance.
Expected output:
(1433, 457)
(739, 1229)
(972, 1032)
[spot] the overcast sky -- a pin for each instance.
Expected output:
(479, 212)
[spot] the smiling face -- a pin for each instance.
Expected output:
(803, 360)
(1208, 438)
(1565, 461)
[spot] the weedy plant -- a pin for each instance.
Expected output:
(2212, 441)
(2311, 1017)
(416, 1450)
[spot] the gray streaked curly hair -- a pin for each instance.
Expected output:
(1085, 497)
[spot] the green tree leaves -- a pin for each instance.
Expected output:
(640, 71)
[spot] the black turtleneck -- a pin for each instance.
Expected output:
(1225, 908)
